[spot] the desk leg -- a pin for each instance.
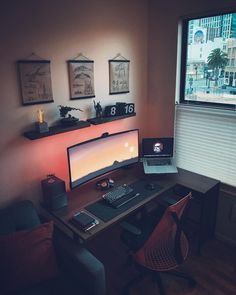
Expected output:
(201, 225)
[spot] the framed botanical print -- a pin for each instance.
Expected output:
(81, 79)
(35, 81)
(119, 76)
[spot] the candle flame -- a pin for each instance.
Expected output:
(40, 116)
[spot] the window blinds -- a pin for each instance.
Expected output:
(205, 142)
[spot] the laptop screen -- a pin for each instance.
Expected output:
(158, 147)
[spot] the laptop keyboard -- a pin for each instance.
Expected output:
(160, 162)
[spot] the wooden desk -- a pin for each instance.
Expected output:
(202, 214)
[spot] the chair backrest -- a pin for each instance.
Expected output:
(19, 216)
(168, 229)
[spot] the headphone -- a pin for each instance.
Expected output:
(105, 184)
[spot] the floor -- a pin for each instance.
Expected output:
(214, 270)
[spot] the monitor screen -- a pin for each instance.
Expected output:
(158, 147)
(98, 156)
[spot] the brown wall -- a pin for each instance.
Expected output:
(143, 31)
(162, 54)
(58, 31)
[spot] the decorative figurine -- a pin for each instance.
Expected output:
(41, 126)
(67, 119)
(98, 109)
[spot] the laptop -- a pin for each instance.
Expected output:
(158, 155)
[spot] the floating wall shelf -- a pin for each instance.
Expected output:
(55, 130)
(32, 135)
(97, 121)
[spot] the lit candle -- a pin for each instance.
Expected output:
(40, 116)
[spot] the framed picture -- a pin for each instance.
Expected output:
(81, 79)
(35, 81)
(119, 76)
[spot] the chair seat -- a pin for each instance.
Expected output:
(161, 257)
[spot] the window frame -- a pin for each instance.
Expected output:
(183, 64)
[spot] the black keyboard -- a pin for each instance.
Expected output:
(124, 200)
(117, 193)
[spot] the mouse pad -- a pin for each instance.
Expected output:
(105, 212)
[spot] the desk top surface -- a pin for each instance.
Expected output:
(87, 194)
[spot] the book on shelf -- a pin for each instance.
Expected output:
(84, 221)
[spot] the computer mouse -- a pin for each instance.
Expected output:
(150, 186)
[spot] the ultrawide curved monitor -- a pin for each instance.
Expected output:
(101, 155)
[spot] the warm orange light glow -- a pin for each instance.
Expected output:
(40, 116)
(131, 149)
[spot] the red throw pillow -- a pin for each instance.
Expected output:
(27, 257)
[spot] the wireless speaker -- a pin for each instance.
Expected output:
(54, 193)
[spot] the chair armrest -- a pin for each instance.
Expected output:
(130, 228)
(81, 264)
(21, 215)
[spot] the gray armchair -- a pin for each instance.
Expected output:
(79, 271)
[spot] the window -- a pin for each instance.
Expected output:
(205, 138)
(208, 49)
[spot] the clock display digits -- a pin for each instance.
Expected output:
(113, 111)
(110, 111)
(119, 109)
(129, 108)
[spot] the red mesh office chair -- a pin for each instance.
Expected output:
(165, 247)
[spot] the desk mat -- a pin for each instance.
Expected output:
(105, 212)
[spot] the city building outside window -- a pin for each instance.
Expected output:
(208, 57)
